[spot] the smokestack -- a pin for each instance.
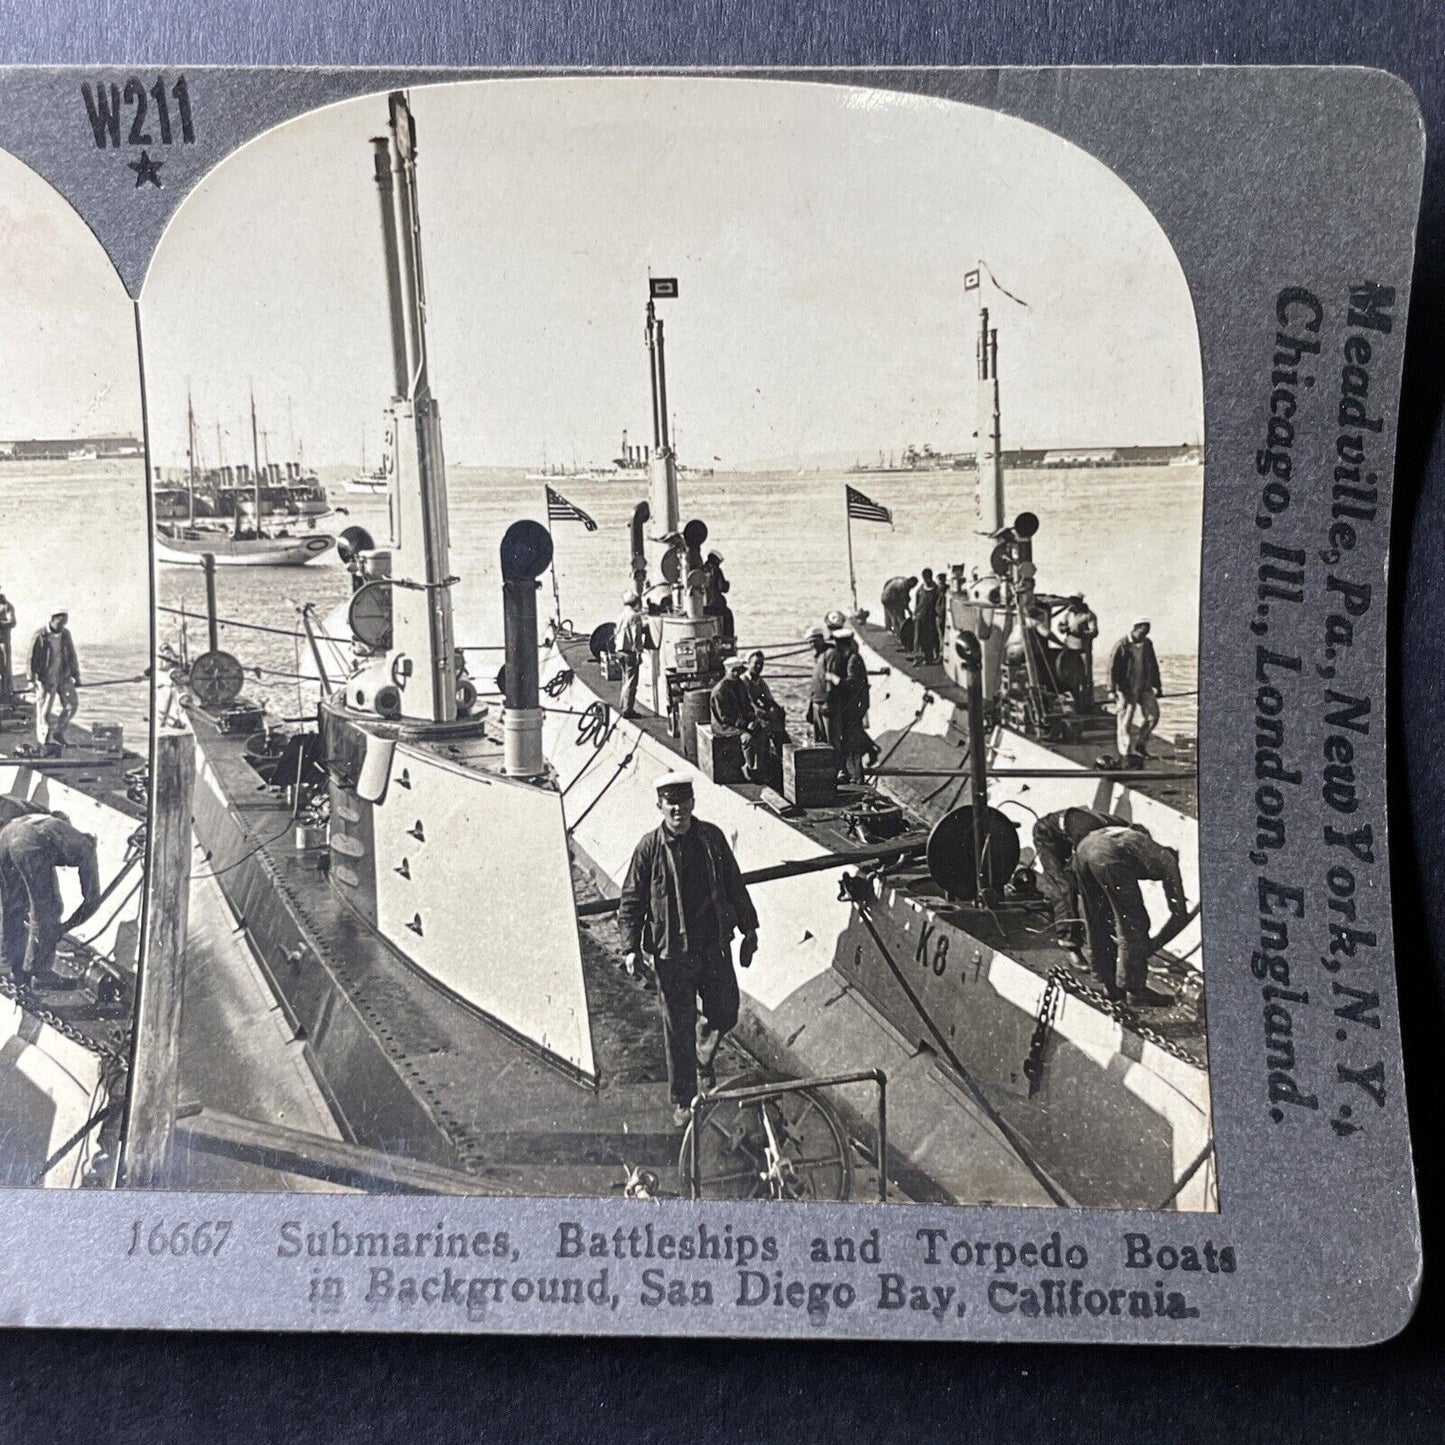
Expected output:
(526, 554)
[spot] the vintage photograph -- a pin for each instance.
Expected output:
(677, 606)
(74, 692)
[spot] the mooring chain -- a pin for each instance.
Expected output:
(1043, 1022)
(1116, 1010)
(116, 1054)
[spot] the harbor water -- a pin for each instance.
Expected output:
(76, 541)
(1128, 538)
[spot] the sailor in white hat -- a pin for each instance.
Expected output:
(682, 901)
(629, 638)
(1134, 677)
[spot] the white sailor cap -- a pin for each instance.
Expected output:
(737, 664)
(842, 634)
(1141, 622)
(673, 780)
(629, 597)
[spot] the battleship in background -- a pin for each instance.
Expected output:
(463, 1044)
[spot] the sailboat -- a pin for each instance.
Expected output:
(243, 541)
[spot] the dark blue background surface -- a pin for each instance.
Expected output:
(96, 1387)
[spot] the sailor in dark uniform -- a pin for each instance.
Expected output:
(31, 849)
(682, 901)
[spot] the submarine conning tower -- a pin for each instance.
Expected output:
(666, 555)
(430, 818)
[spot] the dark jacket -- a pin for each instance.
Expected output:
(650, 913)
(52, 658)
(1132, 669)
(731, 705)
(39, 840)
(1065, 829)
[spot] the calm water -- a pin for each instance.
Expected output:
(1129, 538)
(73, 538)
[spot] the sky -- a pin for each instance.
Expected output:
(820, 235)
(67, 342)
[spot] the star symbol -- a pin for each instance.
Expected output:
(146, 170)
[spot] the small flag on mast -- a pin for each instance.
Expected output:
(662, 287)
(559, 509)
(864, 509)
(971, 279)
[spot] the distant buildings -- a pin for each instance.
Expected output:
(75, 449)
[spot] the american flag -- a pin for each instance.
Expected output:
(559, 509)
(864, 509)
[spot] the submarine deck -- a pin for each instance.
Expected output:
(1092, 733)
(1019, 928)
(499, 1111)
(97, 771)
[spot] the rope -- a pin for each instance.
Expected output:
(256, 626)
(38, 1178)
(913, 722)
(617, 773)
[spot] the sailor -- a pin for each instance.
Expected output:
(1055, 837)
(629, 638)
(718, 586)
(55, 671)
(926, 640)
(682, 901)
(1134, 677)
(857, 698)
(896, 592)
(1075, 628)
(940, 602)
(730, 709)
(7, 656)
(818, 684)
(31, 849)
(1110, 863)
(842, 715)
(765, 705)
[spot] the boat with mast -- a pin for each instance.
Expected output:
(242, 541)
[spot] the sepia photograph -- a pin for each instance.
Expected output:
(677, 608)
(74, 693)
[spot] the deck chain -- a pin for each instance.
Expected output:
(112, 1053)
(1118, 1010)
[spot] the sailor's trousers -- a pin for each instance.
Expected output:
(707, 975)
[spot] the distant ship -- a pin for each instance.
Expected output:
(83, 454)
(631, 465)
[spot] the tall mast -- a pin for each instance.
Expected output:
(989, 498)
(255, 466)
(191, 461)
(424, 658)
(663, 503)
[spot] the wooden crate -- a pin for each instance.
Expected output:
(720, 758)
(810, 774)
